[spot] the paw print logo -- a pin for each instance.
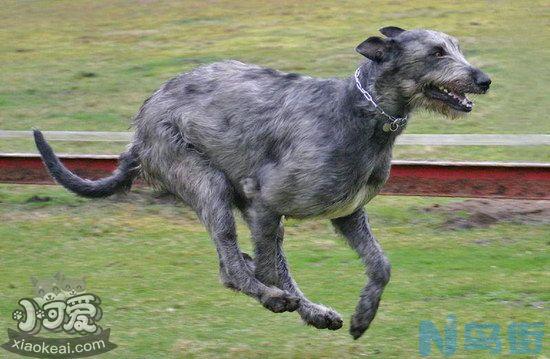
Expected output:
(40, 314)
(17, 315)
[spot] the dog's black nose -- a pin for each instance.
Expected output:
(481, 79)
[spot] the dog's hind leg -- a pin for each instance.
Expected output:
(272, 269)
(356, 230)
(210, 193)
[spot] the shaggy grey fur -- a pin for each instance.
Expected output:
(230, 135)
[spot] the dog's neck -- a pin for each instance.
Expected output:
(383, 91)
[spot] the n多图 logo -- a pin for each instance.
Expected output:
(60, 304)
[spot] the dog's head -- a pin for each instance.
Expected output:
(426, 68)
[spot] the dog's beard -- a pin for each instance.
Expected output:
(421, 101)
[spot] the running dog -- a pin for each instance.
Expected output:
(273, 145)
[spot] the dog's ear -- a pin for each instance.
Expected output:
(374, 48)
(391, 31)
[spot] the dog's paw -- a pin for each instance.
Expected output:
(279, 301)
(321, 317)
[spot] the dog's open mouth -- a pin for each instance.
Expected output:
(454, 99)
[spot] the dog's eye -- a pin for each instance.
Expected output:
(439, 51)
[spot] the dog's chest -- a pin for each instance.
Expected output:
(359, 195)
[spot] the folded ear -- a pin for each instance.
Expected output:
(391, 31)
(374, 48)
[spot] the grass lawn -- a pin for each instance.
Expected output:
(155, 270)
(88, 65)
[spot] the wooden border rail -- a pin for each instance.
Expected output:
(450, 179)
(405, 139)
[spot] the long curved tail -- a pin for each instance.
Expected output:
(120, 181)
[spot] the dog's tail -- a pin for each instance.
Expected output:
(120, 181)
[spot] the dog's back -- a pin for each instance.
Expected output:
(239, 117)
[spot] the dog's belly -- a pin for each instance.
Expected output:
(351, 204)
(342, 208)
(347, 207)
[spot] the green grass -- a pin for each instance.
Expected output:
(155, 269)
(87, 65)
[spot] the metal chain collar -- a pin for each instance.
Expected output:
(394, 122)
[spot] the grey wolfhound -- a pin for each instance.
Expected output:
(278, 145)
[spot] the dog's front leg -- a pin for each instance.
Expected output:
(357, 232)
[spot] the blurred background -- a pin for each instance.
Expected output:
(89, 65)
